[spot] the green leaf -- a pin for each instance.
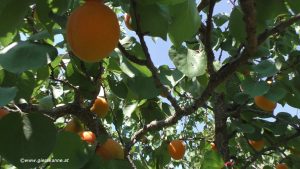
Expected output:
(132, 69)
(31, 136)
(161, 155)
(12, 13)
(43, 10)
(133, 47)
(293, 99)
(43, 73)
(76, 77)
(265, 68)
(268, 10)
(254, 88)
(7, 94)
(97, 162)
(70, 146)
(212, 160)
(276, 92)
(142, 87)
(61, 7)
(193, 86)
(294, 143)
(294, 5)
(241, 98)
(7, 39)
(243, 127)
(118, 118)
(169, 77)
(46, 103)
(153, 20)
(220, 19)
(236, 25)
(22, 56)
(278, 128)
(190, 62)
(152, 111)
(129, 108)
(185, 22)
(117, 86)
(25, 84)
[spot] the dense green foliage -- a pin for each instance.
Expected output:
(39, 74)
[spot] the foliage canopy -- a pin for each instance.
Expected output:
(221, 63)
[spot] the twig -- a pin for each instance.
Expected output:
(278, 28)
(274, 147)
(132, 58)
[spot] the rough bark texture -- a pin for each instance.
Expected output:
(221, 135)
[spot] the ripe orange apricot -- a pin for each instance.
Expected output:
(264, 103)
(258, 145)
(88, 136)
(92, 31)
(110, 150)
(213, 146)
(100, 107)
(281, 166)
(3, 112)
(176, 149)
(73, 126)
(127, 20)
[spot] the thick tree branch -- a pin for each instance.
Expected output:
(207, 41)
(87, 117)
(221, 135)
(248, 7)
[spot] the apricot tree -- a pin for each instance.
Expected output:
(79, 88)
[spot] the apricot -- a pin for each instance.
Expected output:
(73, 126)
(110, 150)
(100, 107)
(92, 31)
(176, 149)
(281, 166)
(127, 20)
(213, 146)
(264, 103)
(3, 112)
(258, 145)
(88, 136)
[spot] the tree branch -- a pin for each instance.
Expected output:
(221, 136)
(278, 28)
(220, 76)
(207, 41)
(130, 57)
(273, 147)
(202, 5)
(136, 136)
(87, 117)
